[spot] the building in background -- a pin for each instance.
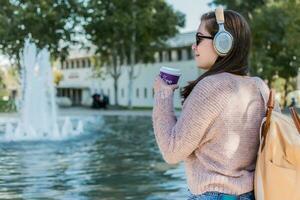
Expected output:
(79, 84)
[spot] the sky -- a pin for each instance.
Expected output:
(193, 9)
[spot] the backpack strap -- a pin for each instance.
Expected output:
(267, 121)
(295, 118)
(270, 107)
(270, 104)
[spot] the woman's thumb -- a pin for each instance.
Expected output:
(175, 86)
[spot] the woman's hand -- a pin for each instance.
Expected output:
(160, 85)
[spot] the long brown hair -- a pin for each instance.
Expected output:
(236, 62)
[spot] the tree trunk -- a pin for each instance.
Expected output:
(116, 91)
(115, 75)
(132, 60)
(285, 93)
(130, 87)
(131, 76)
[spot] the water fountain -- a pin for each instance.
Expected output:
(38, 113)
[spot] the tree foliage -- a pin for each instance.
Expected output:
(275, 26)
(129, 32)
(49, 23)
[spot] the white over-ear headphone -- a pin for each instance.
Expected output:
(223, 40)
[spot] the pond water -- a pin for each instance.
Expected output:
(116, 158)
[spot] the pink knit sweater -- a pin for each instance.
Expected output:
(217, 132)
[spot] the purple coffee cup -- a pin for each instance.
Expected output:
(170, 75)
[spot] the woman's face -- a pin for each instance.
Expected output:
(205, 54)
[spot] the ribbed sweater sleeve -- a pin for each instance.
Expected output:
(177, 139)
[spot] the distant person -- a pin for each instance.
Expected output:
(293, 102)
(217, 132)
(96, 100)
(105, 101)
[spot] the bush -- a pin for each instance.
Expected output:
(7, 106)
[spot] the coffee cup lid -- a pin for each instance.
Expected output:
(170, 70)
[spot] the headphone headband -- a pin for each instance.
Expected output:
(219, 15)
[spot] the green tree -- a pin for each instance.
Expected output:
(50, 23)
(128, 32)
(2, 80)
(245, 7)
(275, 28)
(276, 50)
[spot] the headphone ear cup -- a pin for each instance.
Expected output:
(223, 42)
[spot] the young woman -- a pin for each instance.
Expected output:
(217, 133)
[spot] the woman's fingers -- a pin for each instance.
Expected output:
(175, 86)
(159, 84)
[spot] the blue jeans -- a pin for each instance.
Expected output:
(221, 196)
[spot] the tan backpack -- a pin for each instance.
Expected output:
(277, 174)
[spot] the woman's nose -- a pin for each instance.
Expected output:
(194, 47)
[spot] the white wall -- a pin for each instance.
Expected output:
(145, 79)
(82, 78)
(76, 78)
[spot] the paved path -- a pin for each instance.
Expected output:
(83, 111)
